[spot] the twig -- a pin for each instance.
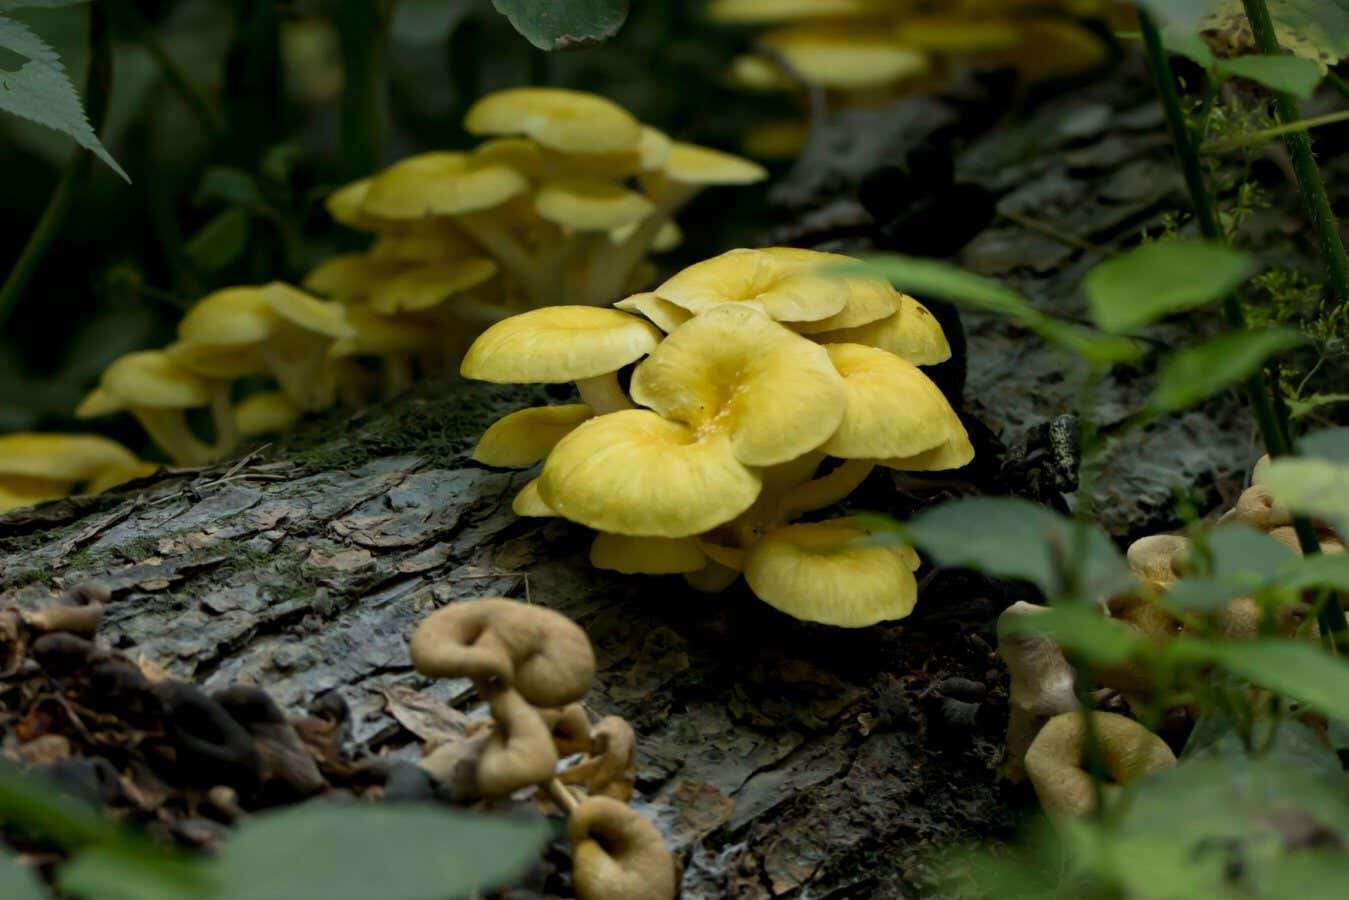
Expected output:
(1048, 230)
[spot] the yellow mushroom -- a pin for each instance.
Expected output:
(662, 313)
(610, 766)
(38, 467)
(556, 118)
(520, 752)
(528, 503)
(845, 57)
(1055, 761)
(646, 555)
(913, 334)
(266, 412)
(526, 436)
(785, 288)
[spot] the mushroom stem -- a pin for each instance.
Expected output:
(561, 795)
(222, 418)
(168, 428)
(514, 258)
(602, 393)
(826, 491)
(608, 272)
(300, 367)
(397, 373)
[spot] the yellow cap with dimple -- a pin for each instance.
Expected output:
(441, 184)
(784, 288)
(557, 344)
(893, 408)
(560, 119)
(590, 204)
(913, 333)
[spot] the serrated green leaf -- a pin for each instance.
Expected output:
(1317, 487)
(18, 882)
(41, 91)
(1243, 554)
(1196, 373)
(1290, 74)
(220, 241)
(1157, 280)
(331, 852)
(550, 25)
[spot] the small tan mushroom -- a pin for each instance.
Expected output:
(1157, 558)
(1042, 684)
(544, 655)
(1055, 759)
(611, 768)
(617, 854)
(1257, 507)
(455, 763)
(570, 727)
(78, 611)
(519, 752)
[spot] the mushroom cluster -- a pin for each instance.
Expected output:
(533, 667)
(862, 52)
(38, 467)
(767, 389)
(562, 202)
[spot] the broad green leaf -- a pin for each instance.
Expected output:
(1201, 594)
(330, 852)
(40, 807)
(1083, 630)
(1290, 74)
(1314, 29)
(1329, 443)
(1300, 670)
(18, 882)
(1196, 373)
(1186, 43)
(1246, 556)
(552, 25)
(41, 91)
(1177, 13)
(1010, 538)
(220, 241)
(1323, 570)
(1285, 741)
(135, 870)
(1317, 487)
(1156, 280)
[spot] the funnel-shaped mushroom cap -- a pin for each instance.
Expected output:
(1054, 761)
(646, 555)
(61, 457)
(1257, 507)
(666, 316)
(633, 472)
(147, 379)
(734, 371)
(305, 312)
(590, 204)
(893, 408)
(557, 344)
(610, 768)
(846, 58)
(527, 436)
(521, 154)
(427, 286)
(544, 655)
(570, 121)
(376, 335)
(913, 334)
(869, 300)
(786, 289)
(441, 184)
(695, 166)
(617, 854)
(528, 503)
(267, 412)
(570, 727)
(954, 452)
(828, 572)
(351, 276)
(750, 12)
(955, 35)
(229, 317)
(227, 361)
(346, 205)
(1157, 558)
(520, 751)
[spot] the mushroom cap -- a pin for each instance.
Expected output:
(379, 335)
(351, 276)
(61, 457)
(1042, 678)
(560, 119)
(528, 503)
(346, 205)
(749, 12)
(527, 436)
(786, 289)
(869, 299)
(617, 854)
(893, 409)
(227, 361)
(231, 317)
(520, 153)
(147, 379)
(1054, 761)
(292, 305)
(266, 412)
(436, 241)
(590, 204)
(16, 493)
(913, 334)
(115, 476)
(646, 555)
(1257, 507)
(734, 371)
(827, 572)
(1156, 559)
(846, 58)
(633, 472)
(954, 452)
(441, 183)
(955, 34)
(426, 286)
(557, 344)
(610, 767)
(666, 316)
(520, 751)
(542, 654)
(695, 166)
(570, 727)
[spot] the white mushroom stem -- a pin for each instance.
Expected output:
(602, 394)
(608, 272)
(168, 428)
(484, 228)
(832, 488)
(300, 366)
(222, 418)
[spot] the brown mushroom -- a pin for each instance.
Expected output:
(519, 752)
(1055, 759)
(617, 854)
(1042, 684)
(570, 727)
(455, 763)
(1258, 508)
(610, 770)
(544, 655)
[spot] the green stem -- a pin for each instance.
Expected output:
(1206, 212)
(196, 102)
(1338, 84)
(360, 28)
(1264, 134)
(1299, 145)
(98, 85)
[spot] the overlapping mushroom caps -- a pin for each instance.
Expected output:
(533, 666)
(748, 411)
(860, 52)
(38, 467)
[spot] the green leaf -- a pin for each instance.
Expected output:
(1188, 44)
(330, 852)
(18, 882)
(220, 241)
(1329, 443)
(43, 809)
(1196, 373)
(1300, 670)
(135, 870)
(1299, 409)
(1322, 570)
(1290, 74)
(1317, 487)
(1011, 538)
(551, 25)
(1083, 630)
(1177, 13)
(41, 91)
(930, 277)
(230, 186)
(1244, 555)
(1315, 29)
(1201, 594)
(1156, 280)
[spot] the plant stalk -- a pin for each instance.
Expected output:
(98, 86)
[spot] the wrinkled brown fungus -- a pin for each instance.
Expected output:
(617, 854)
